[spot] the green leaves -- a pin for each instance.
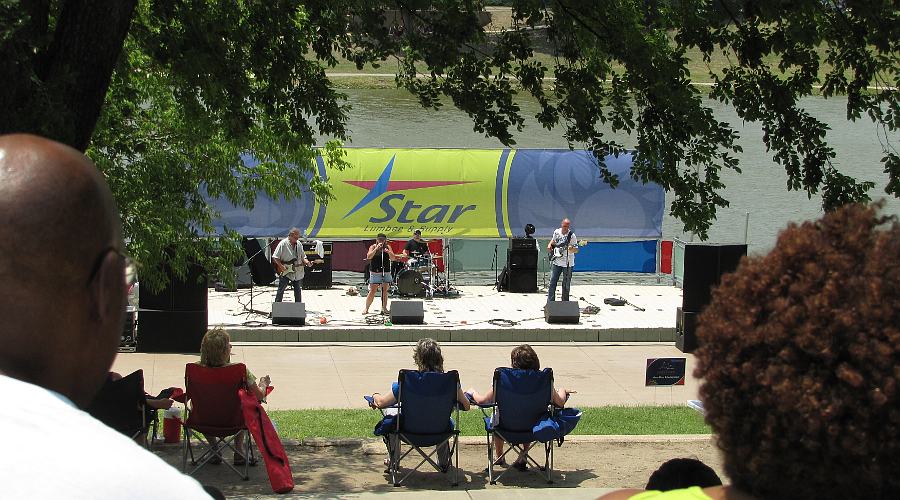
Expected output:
(199, 83)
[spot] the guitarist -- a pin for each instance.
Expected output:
(562, 248)
(289, 259)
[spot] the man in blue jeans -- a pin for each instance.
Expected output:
(290, 259)
(562, 248)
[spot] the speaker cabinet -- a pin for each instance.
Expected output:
(170, 331)
(289, 313)
(523, 280)
(704, 265)
(261, 269)
(685, 330)
(318, 276)
(188, 294)
(407, 312)
(562, 311)
(521, 259)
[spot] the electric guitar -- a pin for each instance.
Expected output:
(560, 251)
(294, 265)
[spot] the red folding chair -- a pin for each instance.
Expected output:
(214, 415)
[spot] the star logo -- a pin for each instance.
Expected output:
(384, 184)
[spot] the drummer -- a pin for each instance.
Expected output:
(416, 248)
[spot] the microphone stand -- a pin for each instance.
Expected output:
(253, 282)
(568, 269)
(496, 265)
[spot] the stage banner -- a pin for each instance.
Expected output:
(460, 193)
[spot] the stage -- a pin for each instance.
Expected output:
(476, 314)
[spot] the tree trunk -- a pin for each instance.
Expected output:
(64, 99)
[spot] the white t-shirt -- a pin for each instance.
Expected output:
(559, 251)
(285, 252)
(54, 450)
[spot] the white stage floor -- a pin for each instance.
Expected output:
(334, 316)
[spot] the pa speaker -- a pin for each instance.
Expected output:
(522, 259)
(704, 265)
(407, 312)
(685, 330)
(562, 311)
(188, 294)
(288, 313)
(523, 280)
(260, 269)
(170, 331)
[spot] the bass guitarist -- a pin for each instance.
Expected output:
(562, 248)
(290, 259)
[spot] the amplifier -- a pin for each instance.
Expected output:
(522, 243)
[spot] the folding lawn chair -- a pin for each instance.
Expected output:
(425, 402)
(122, 405)
(522, 399)
(214, 415)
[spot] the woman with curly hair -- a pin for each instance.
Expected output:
(800, 364)
(215, 352)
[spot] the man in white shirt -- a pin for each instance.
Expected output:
(562, 248)
(290, 259)
(58, 345)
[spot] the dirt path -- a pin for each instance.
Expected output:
(358, 468)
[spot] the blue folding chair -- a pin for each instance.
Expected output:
(522, 398)
(425, 401)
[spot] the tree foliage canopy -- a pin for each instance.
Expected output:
(166, 94)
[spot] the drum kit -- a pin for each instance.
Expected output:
(419, 276)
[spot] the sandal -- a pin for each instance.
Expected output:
(521, 465)
(500, 462)
(215, 460)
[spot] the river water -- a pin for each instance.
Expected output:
(393, 118)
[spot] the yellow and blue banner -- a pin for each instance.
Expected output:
(460, 193)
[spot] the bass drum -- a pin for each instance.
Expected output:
(409, 283)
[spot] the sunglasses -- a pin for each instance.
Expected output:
(130, 269)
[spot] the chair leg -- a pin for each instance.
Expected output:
(184, 450)
(490, 447)
(393, 446)
(455, 460)
(548, 460)
(248, 456)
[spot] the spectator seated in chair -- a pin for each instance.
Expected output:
(428, 358)
(215, 352)
(522, 357)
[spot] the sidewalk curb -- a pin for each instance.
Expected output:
(480, 440)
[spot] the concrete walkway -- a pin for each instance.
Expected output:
(308, 375)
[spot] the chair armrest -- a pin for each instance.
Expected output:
(485, 407)
(371, 401)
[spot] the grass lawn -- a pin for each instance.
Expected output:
(300, 424)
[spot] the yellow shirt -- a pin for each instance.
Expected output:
(692, 493)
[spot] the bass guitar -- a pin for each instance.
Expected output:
(560, 251)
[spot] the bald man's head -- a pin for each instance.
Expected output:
(61, 283)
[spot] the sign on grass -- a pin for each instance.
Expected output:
(665, 371)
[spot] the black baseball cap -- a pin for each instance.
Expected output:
(418, 231)
(382, 236)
